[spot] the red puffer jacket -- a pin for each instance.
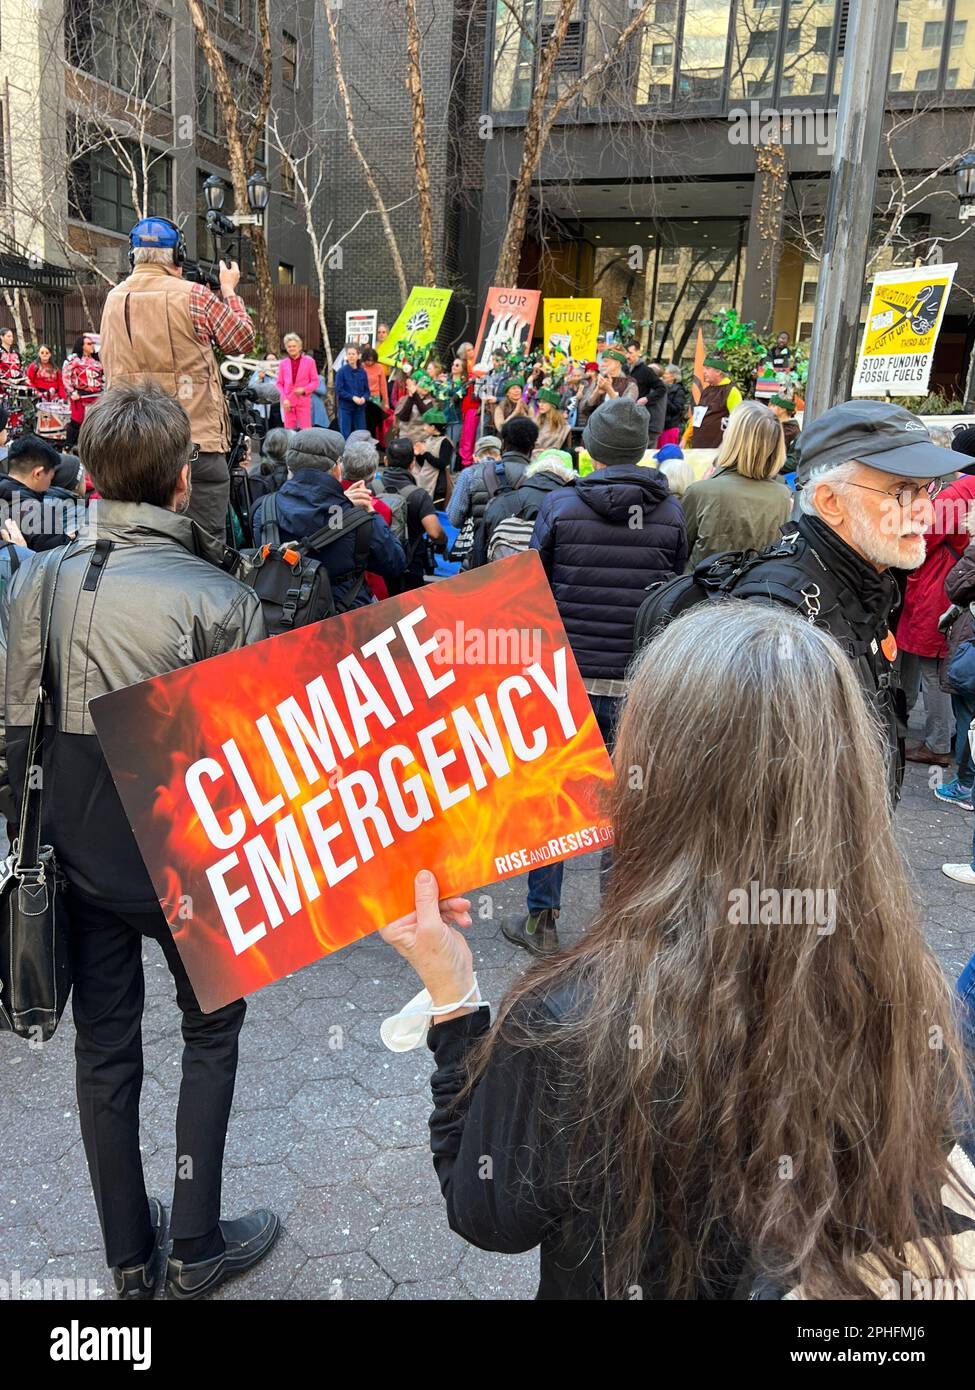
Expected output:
(925, 598)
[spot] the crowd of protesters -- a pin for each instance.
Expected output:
(792, 626)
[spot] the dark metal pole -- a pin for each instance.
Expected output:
(850, 210)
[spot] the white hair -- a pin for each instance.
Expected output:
(292, 338)
(360, 460)
(679, 475)
(153, 255)
(832, 473)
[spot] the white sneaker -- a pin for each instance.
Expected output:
(961, 873)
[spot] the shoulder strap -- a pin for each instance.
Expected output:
(327, 535)
(492, 482)
(270, 530)
(363, 540)
(948, 545)
(14, 558)
(29, 839)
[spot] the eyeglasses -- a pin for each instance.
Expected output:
(908, 493)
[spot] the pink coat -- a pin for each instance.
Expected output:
(298, 416)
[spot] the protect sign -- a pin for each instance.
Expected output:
(572, 327)
(419, 321)
(284, 796)
(899, 337)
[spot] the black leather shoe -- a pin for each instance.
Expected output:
(246, 1240)
(139, 1281)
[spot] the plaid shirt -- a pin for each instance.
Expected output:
(221, 321)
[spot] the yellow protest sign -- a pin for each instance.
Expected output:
(571, 327)
(419, 322)
(903, 321)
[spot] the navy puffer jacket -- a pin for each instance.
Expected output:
(306, 503)
(602, 541)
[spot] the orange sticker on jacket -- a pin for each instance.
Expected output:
(889, 645)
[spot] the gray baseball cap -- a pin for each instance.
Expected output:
(486, 443)
(883, 436)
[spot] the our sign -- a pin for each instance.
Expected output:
(899, 337)
(572, 327)
(419, 321)
(284, 796)
(360, 326)
(507, 323)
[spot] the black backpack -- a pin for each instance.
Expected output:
(294, 589)
(730, 572)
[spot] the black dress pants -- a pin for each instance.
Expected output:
(108, 998)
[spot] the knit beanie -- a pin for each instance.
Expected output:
(550, 396)
(617, 432)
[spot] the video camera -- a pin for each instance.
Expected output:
(202, 273)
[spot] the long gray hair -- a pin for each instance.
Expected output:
(784, 1078)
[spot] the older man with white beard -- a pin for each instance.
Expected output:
(867, 474)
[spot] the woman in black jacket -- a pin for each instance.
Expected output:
(676, 416)
(729, 1076)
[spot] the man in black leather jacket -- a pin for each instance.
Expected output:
(140, 591)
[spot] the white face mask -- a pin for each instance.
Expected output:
(406, 1030)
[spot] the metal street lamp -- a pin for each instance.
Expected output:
(964, 172)
(213, 193)
(258, 192)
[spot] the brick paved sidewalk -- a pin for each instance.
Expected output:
(335, 1139)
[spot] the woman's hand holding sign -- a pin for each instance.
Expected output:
(435, 948)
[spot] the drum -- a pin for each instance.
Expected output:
(52, 419)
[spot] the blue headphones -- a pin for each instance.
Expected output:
(156, 232)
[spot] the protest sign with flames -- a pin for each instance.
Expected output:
(284, 796)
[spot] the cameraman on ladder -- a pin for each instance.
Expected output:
(158, 326)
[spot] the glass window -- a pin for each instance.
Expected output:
(900, 34)
(207, 105)
(805, 62)
(702, 58)
(655, 67)
(921, 55)
(951, 79)
(933, 34)
(894, 81)
(963, 51)
(514, 55)
(755, 43)
(809, 292)
(125, 43)
(100, 184)
(286, 273)
(289, 59)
